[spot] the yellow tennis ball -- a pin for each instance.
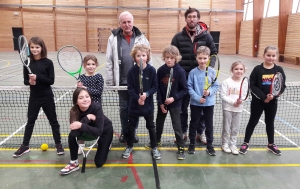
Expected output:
(44, 147)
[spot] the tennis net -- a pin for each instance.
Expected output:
(14, 103)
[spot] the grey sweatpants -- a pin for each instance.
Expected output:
(231, 126)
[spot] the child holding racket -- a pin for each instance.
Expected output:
(91, 81)
(86, 117)
(232, 107)
(201, 99)
(41, 95)
(176, 86)
(262, 100)
(141, 105)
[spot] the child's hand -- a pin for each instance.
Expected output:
(270, 97)
(169, 101)
(143, 97)
(31, 82)
(80, 85)
(75, 125)
(32, 77)
(91, 117)
(141, 102)
(237, 103)
(163, 110)
(206, 93)
(202, 100)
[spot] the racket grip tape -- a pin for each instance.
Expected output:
(83, 165)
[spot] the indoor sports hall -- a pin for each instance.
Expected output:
(241, 29)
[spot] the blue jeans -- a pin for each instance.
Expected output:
(123, 104)
(184, 116)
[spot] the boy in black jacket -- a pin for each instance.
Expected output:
(141, 105)
(171, 103)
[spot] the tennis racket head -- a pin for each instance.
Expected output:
(141, 77)
(169, 83)
(276, 84)
(70, 60)
(244, 89)
(24, 52)
(214, 78)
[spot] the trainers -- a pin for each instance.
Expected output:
(180, 154)
(244, 148)
(274, 149)
(69, 168)
(22, 150)
(226, 148)
(191, 149)
(234, 150)
(79, 150)
(127, 152)
(122, 138)
(155, 153)
(201, 138)
(59, 149)
(159, 144)
(211, 151)
(135, 139)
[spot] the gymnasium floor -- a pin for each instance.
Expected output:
(257, 169)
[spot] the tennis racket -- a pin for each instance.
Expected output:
(169, 85)
(276, 84)
(207, 85)
(244, 89)
(85, 155)
(141, 76)
(24, 52)
(70, 60)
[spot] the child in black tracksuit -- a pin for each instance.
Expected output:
(262, 100)
(141, 105)
(41, 95)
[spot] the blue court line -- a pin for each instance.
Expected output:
(287, 123)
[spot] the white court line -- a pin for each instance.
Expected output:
(11, 135)
(280, 134)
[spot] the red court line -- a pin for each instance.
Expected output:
(135, 173)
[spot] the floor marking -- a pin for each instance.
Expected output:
(8, 63)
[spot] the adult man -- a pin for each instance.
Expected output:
(192, 36)
(119, 61)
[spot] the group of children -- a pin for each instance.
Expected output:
(87, 116)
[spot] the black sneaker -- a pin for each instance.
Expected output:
(22, 150)
(122, 138)
(211, 151)
(59, 149)
(180, 154)
(135, 139)
(191, 149)
(274, 149)
(244, 148)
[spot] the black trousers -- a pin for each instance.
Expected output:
(102, 150)
(257, 107)
(48, 106)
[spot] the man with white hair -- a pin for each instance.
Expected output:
(119, 61)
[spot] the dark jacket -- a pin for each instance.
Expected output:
(188, 49)
(44, 71)
(149, 86)
(260, 90)
(179, 85)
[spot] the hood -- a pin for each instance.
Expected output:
(200, 28)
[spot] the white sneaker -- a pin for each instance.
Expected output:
(234, 150)
(79, 151)
(226, 148)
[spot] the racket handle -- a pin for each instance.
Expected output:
(203, 96)
(83, 165)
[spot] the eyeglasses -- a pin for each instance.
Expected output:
(192, 17)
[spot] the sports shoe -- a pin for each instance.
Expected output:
(155, 153)
(159, 144)
(226, 148)
(180, 154)
(201, 138)
(79, 151)
(69, 168)
(22, 150)
(211, 151)
(59, 149)
(135, 139)
(191, 149)
(274, 149)
(127, 152)
(122, 138)
(244, 148)
(234, 150)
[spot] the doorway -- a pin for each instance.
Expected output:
(216, 37)
(16, 33)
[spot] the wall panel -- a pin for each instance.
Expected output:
(245, 47)
(268, 34)
(292, 38)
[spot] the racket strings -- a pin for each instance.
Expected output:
(70, 59)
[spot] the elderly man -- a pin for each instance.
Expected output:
(119, 61)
